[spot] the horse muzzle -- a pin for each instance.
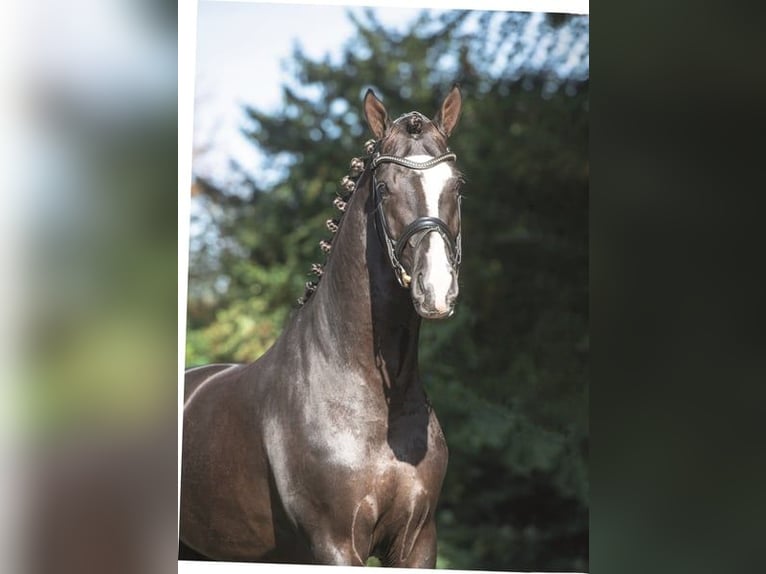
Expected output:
(434, 285)
(431, 304)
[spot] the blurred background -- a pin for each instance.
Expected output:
(89, 281)
(277, 119)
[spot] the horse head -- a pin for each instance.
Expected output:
(416, 191)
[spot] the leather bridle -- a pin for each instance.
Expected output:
(395, 247)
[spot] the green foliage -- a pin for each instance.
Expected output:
(508, 374)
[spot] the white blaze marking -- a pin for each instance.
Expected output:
(439, 273)
(434, 181)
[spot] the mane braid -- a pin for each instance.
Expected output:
(346, 189)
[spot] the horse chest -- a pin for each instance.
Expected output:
(370, 475)
(403, 485)
(409, 447)
(402, 500)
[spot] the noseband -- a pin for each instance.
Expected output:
(395, 247)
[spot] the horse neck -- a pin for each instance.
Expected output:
(360, 308)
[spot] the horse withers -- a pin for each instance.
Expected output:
(326, 449)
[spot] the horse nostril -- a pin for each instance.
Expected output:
(453, 290)
(419, 281)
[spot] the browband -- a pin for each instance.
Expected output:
(403, 161)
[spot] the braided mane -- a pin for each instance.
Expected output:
(345, 190)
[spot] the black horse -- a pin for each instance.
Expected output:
(326, 450)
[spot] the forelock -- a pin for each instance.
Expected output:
(413, 134)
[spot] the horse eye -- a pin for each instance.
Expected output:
(382, 188)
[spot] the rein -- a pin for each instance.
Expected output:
(395, 247)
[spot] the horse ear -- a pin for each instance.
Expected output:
(446, 118)
(376, 115)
